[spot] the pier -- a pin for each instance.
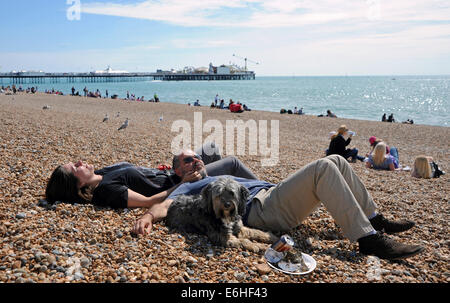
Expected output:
(41, 78)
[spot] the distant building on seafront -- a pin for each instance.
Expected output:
(109, 70)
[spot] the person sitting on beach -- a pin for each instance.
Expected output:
(284, 206)
(373, 141)
(382, 159)
(222, 104)
(330, 114)
(197, 103)
(124, 185)
(425, 167)
(408, 121)
(236, 108)
(391, 118)
(338, 145)
(246, 108)
(300, 111)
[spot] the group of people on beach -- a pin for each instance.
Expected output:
(391, 119)
(13, 90)
(271, 207)
(98, 94)
(381, 156)
(279, 208)
(234, 107)
(296, 111)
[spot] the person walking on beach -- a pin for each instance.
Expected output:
(282, 207)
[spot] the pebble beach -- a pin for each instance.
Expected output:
(82, 243)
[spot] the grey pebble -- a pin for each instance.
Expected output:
(123, 279)
(85, 262)
(239, 276)
(78, 276)
(21, 216)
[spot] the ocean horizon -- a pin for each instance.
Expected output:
(422, 98)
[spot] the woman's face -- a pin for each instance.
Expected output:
(82, 171)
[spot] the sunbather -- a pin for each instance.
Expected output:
(282, 207)
(124, 185)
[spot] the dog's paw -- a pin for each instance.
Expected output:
(252, 246)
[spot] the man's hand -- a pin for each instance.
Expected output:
(144, 225)
(192, 176)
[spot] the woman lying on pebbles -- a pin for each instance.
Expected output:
(425, 167)
(381, 159)
(124, 185)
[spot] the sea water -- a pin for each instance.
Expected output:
(424, 99)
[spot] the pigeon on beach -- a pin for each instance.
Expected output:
(46, 107)
(106, 118)
(118, 114)
(124, 125)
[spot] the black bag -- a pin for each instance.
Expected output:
(436, 171)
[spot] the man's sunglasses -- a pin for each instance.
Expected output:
(190, 159)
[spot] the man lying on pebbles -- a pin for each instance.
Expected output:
(282, 207)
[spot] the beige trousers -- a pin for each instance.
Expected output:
(330, 180)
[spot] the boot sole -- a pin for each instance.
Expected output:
(418, 251)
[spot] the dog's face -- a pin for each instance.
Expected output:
(226, 198)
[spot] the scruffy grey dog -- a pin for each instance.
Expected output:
(217, 212)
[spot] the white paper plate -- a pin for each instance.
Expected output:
(309, 261)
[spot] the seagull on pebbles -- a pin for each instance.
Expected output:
(46, 107)
(106, 118)
(124, 125)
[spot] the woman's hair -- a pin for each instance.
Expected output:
(422, 168)
(63, 186)
(341, 131)
(379, 153)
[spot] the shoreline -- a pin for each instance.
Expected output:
(353, 99)
(206, 106)
(41, 245)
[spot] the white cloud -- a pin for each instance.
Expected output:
(274, 13)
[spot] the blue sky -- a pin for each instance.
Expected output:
(287, 37)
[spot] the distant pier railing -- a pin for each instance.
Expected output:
(21, 78)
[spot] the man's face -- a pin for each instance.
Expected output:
(190, 162)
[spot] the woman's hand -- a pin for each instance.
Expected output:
(191, 177)
(144, 225)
